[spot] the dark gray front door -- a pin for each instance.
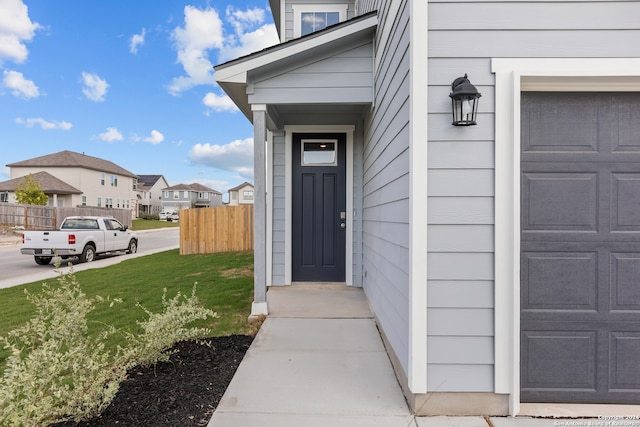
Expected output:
(580, 247)
(319, 207)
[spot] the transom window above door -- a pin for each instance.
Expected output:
(319, 152)
(310, 18)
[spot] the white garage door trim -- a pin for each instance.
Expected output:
(514, 75)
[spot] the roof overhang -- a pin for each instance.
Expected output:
(233, 76)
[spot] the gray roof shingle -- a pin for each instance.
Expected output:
(192, 187)
(72, 159)
(48, 183)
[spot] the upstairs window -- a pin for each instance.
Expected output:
(114, 181)
(102, 179)
(247, 195)
(310, 18)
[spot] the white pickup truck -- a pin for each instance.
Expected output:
(79, 236)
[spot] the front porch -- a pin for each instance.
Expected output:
(320, 84)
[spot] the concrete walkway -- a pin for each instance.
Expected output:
(318, 360)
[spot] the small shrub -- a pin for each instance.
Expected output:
(56, 371)
(155, 217)
(163, 330)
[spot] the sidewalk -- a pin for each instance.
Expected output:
(318, 360)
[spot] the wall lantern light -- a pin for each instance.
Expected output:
(464, 102)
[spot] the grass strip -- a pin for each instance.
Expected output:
(224, 285)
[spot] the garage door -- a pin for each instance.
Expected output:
(580, 247)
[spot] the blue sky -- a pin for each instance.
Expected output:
(130, 82)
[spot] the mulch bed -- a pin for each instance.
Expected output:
(182, 392)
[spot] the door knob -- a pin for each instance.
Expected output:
(343, 225)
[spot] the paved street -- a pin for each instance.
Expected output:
(17, 269)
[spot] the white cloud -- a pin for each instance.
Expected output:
(202, 32)
(246, 43)
(112, 134)
(236, 156)
(251, 35)
(95, 88)
(44, 124)
(155, 137)
(15, 28)
(219, 102)
(243, 19)
(20, 86)
(136, 40)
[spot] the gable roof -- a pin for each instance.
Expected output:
(192, 187)
(148, 180)
(233, 75)
(48, 183)
(244, 184)
(72, 159)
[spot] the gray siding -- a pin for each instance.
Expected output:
(342, 77)
(461, 211)
(278, 214)
(386, 179)
(357, 271)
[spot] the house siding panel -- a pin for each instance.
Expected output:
(357, 224)
(461, 159)
(386, 180)
(460, 377)
(457, 238)
(500, 44)
(343, 77)
(278, 213)
(559, 15)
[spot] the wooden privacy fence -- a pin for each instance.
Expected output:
(33, 217)
(221, 229)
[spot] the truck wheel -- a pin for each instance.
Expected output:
(42, 260)
(133, 247)
(88, 254)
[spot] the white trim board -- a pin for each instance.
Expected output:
(514, 75)
(289, 131)
(418, 209)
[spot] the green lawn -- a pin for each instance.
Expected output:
(224, 284)
(150, 224)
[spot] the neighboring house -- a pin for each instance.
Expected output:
(149, 193)
(185, 196)
(99, 182)
(241, 195)
(59, 192)
(501, 260)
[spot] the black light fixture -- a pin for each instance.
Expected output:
(464, 102)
